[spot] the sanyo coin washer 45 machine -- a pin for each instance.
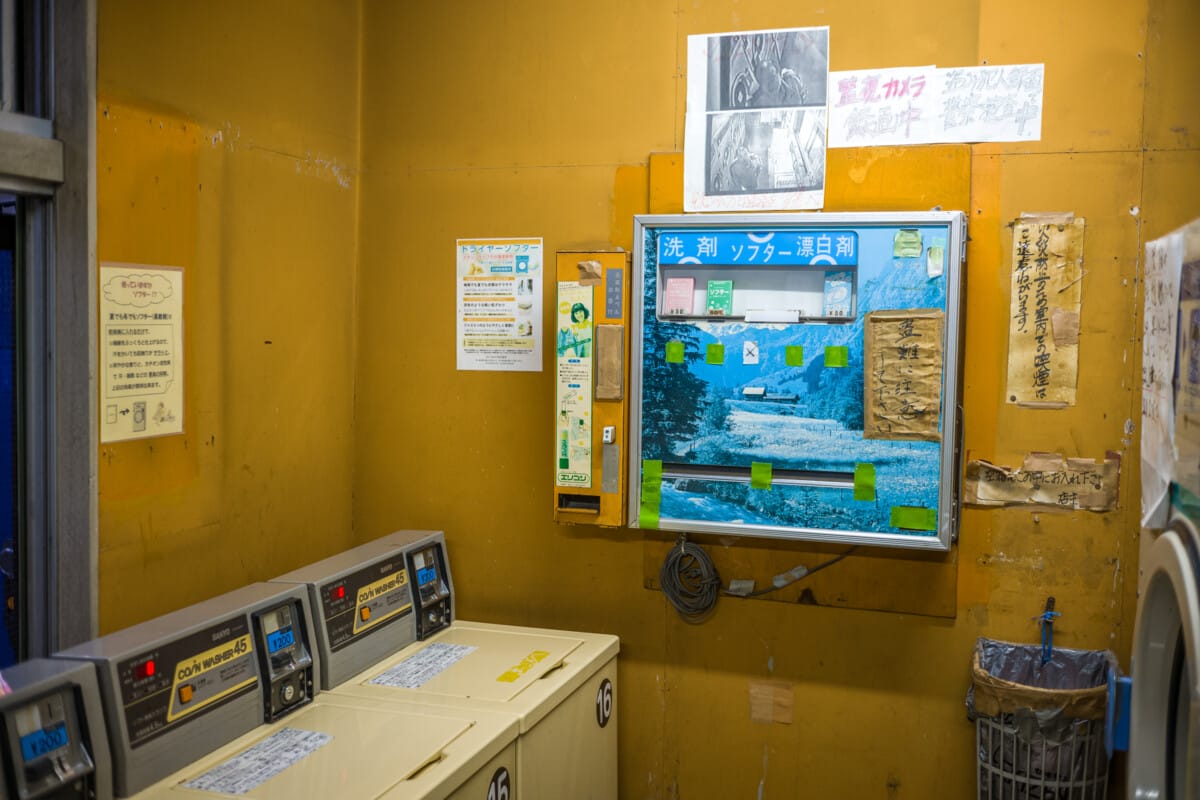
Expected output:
(559, 686)
(223, 698)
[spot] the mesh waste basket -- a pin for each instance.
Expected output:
(1039, 728)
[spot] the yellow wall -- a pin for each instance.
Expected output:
(231, 143)
(227, 145)
(538, 119)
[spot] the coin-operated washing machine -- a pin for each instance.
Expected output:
(52, 732)
(560, 685)
(221, 699)
(1164, 735)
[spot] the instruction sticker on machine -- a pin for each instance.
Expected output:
(250, 769)
(574, 353)
(420, 668)
(141, 349)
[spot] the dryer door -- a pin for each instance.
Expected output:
(1164, 744)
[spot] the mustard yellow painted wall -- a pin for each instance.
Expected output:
(232, 141)
(524, 118)
(227, 144)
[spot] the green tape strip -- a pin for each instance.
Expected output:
(715, 354)
(837, 356)
(651, 494)
(674, 352)
(794, 356)
(864, 482)
(760, 475)
(914, 518)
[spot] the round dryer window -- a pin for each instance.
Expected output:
(1164, 736)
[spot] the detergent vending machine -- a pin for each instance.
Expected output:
(592, 399)
(797, 376)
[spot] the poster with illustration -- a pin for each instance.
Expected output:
(141, 344)
(574, 350)
(776, 443)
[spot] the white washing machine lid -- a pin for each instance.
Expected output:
(521, 671)
(1164, 742)
(347, 747)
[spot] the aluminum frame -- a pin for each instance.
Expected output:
(951, 444)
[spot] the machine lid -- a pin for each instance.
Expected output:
(1164, 743)
(473, 663)
(327, 750)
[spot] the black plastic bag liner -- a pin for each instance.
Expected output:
(1006, 678)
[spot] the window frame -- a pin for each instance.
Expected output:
(50, 161)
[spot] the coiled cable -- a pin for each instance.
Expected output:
(690, 581)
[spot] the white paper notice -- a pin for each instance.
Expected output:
(1164, 262)
(422, 667)
(141, 342)
(499, 288)
(756, 114)
(925, 105)
(251, 768)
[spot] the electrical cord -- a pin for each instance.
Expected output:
(691, 583)
(790, 577)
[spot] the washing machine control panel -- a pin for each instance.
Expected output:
(427, 565)
(364, 601)
(286, 658)
(165, 686)
(46, 746)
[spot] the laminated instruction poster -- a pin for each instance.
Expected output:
(499, 290)
(141, 350)
(574, 350)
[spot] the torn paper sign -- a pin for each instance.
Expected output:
(1186, 471)
(1046, 479)
(1164, 265)
(1044, 306)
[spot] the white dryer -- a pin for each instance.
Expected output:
(1164, 740)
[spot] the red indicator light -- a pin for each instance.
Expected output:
(150, 668)
(145, 670)
(339, 593)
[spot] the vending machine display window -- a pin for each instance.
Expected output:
(797, 376)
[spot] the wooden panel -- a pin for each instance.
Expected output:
(872, 578)
(1172, 75)
(1092, 50)
(881, 178)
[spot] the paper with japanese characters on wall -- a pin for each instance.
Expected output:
(1164, 263)
(926, 105)
(1187, 372)
(902, 384)
(499, 288)
(1049, 479)
(141, 342)
(1043, 327)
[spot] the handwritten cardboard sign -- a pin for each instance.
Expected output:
(1043, 325)
(1046, 479)
(902, 384)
